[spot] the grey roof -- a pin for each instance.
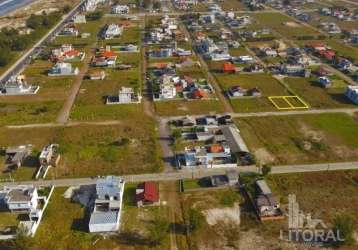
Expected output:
(111, 186)
(18, 195)
(266, 200)
(234, 140)
(219, 180)
(264, 188)
(103, 218)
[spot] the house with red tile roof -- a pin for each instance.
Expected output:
(147, 193)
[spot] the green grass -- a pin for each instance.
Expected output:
(276, 21)
(172, 108)
(317, 96)
(264, 82)
(30, 112)
(338, 190)
(301, 139)
(94, 150)
(8, 219)
(191, 184)
(71, 220)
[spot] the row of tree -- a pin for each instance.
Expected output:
(11, 40)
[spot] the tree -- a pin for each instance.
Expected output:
(157, 5)
(266, 169)
(176, 134)
(93, 16)
(66, 8)
(344, 228)
(5, 57)
(196, 220)
(158, 230)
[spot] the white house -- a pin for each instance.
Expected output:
(79, 19)
(112, 31)
(120, 9)
(17, 85)
(125, 96)
(63, 69)
(20, 198)
(352, 93)
(108, 205)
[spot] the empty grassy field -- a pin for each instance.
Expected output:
(320, 97)
(94, 150)
(232, 5)
(264, 82)
(301, 139)
(172, 108)
(213, 236)
(338, 190)
(284, 25)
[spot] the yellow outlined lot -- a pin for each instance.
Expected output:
(288, 102)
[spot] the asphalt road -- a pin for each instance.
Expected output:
(26, 57)
(196, 173)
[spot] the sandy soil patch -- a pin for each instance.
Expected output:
(292, 24)
(227, 215)
(264, 156)
(17, 18)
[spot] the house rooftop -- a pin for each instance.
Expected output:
(111, 186)
(264, 188)
(104, 217)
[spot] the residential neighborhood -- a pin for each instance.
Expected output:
(179, 124)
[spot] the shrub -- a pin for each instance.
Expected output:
(196, 220)
(344, 228)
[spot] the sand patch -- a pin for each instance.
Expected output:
(264, 156)
(226, 215)
(292, 24)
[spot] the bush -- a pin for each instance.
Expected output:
(228, 199)
(158, 230)
(93, 16)
(266, 169)
(196, 220)
(5, 57)
(344, 228)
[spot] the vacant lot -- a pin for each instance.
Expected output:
(264, 82)
(213, 204)
(337, 189)
(92, 151)
(301, 139)
(284, 25)
(317, 96)
(232, 5)
(172, 108)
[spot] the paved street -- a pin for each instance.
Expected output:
(197, 173)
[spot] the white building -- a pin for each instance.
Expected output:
(120, 9)
(17, 85)
(20, 198)
(79, 19)
(108, 205)
(125, 96)
(112, 31)
(63, 69)
(352, 93)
